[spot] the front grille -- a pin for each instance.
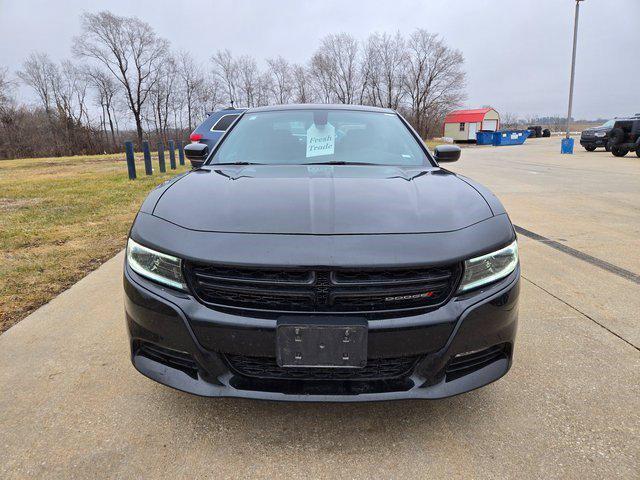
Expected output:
(320, 290)
(376, 369)
(172, 358)
(464, 364)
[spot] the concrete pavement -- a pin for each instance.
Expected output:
(71, 405)
(589, 200)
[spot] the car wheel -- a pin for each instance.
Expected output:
(638, 152)
(607, 147)
(619, 151)
(616, 136)
(589, 148)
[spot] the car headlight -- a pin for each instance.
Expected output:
(600, 134)
(489, 268)
(156, 266)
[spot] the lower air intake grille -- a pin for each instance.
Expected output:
(376, 369)
(468, 363)
(171, 358)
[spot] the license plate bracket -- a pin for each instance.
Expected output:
(321, 343)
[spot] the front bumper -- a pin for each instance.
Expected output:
(595, 141)
(183, 344)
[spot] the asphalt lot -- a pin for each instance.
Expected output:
(71, 405)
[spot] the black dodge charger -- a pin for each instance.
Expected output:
(321, 253)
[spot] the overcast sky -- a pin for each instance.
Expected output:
(517, 52)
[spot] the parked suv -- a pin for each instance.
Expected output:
(211, 129)
(624, 137)
(322, 253)
(593, 138)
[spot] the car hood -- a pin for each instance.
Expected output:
(322, 200)
(597, 129)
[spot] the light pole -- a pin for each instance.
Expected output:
(567, 146)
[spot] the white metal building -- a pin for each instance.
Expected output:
(462, 125)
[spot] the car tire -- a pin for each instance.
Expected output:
(607, 147)
(590, 148)
(616, 136)
(638, 152)
(619, 151)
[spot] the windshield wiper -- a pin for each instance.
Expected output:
(339, 162)
(237, 163)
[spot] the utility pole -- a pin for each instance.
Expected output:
(573, 67)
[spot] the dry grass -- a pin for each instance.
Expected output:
(60, 218)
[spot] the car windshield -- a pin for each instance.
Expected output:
(320, 136)
(609, 124)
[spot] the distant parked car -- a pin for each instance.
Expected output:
(216, 123)
(593, 138)
(535, 131)
(624, 137)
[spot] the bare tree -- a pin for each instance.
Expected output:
(62, 91)
(321, 77)
(210, 96)
(178, 107)
(334, 67)
(509, 120)
(6, 88)
(264, 90)
(248, 80)
(280, 71)
(225, 69)
(434, 81)
(9, 116)
(129, 48)
(192, 80)
(69, 86)
(161, 96)
(300, 89)
(392, 54)
(36, 72)
(370, 72)
(106, 89)
(132, 75)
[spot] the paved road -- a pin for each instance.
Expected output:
(72, 406)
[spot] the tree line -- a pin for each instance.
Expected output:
(122, 74)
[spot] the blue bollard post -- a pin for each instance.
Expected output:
(131, 160)
(181, 153)
(172, 155)
(161, 157)
(148, 168)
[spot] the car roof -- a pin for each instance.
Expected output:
(319, 106)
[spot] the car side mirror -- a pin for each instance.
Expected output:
(447, 153)
(196, 153)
